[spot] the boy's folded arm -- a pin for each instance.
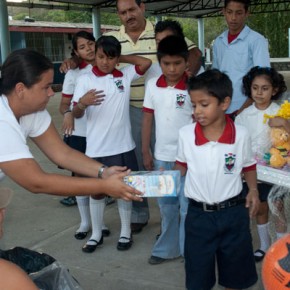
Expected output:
(142, 63)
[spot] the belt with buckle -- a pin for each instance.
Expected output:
(234, 201)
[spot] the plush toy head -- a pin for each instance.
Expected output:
(280, 138)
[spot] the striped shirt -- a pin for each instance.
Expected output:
(146, 47)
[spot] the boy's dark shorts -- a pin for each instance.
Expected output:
(263, 188)
(76, 142)
(220, 236)
(124, 159)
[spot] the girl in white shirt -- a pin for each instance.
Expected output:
(263, 85)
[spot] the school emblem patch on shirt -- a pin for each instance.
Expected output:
(120, 86)
(180, 100)
(230, 160)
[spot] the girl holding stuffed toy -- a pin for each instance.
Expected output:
(263, 85)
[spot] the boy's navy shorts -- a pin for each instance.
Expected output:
(219, 238)
(124, 159)
(76, 142)
(263, 188)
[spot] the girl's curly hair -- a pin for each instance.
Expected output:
(275, 78)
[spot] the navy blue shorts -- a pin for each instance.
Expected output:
(124, 159)
(263, 188)
(219, 238)
(76, 142)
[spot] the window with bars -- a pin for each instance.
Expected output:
(51, 45)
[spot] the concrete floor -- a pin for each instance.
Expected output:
(41, 223)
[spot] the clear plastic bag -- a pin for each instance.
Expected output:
(279, 205)
(55, 277)
(45, 271)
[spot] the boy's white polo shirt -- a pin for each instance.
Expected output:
(68, 89)
(108, 125)
(214, 168)
(172, 110)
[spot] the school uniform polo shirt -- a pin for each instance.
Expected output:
(172, 110)
(155, 69)
(13, 134)
(146, 47)
(238, 57)
(214, 168)
(68, 89)
(108, 125)
(260, 132)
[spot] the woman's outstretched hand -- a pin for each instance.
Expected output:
(115, 185)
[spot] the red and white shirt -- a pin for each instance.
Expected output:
(108, 125)
(214, 168)
(172, 110)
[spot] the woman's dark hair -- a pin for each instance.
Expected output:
(171, 25)
(81, 34)
(25, 66)
(110, 45)
(276, 80)
(214, 83)
(172, 45)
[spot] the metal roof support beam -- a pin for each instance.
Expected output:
(96, 19)
(200, 23)
(288, 42)
(4, 31)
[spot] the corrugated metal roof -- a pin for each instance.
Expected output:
(23, 23)
(178, 8)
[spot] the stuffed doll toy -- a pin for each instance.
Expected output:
(278, 155)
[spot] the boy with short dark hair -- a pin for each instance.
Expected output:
(167, 101)
(214, 152)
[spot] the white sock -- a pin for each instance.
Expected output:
(125, 209)
(265, 240)
(84, 210)
(97, 208)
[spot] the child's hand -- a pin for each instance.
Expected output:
(92, 98)
(68, 124)
(148, 161)
(253, 202)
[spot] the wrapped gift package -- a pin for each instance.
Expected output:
(274, 176)
(155, 183)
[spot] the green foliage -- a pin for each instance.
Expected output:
(110, 19)
(274, 26)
